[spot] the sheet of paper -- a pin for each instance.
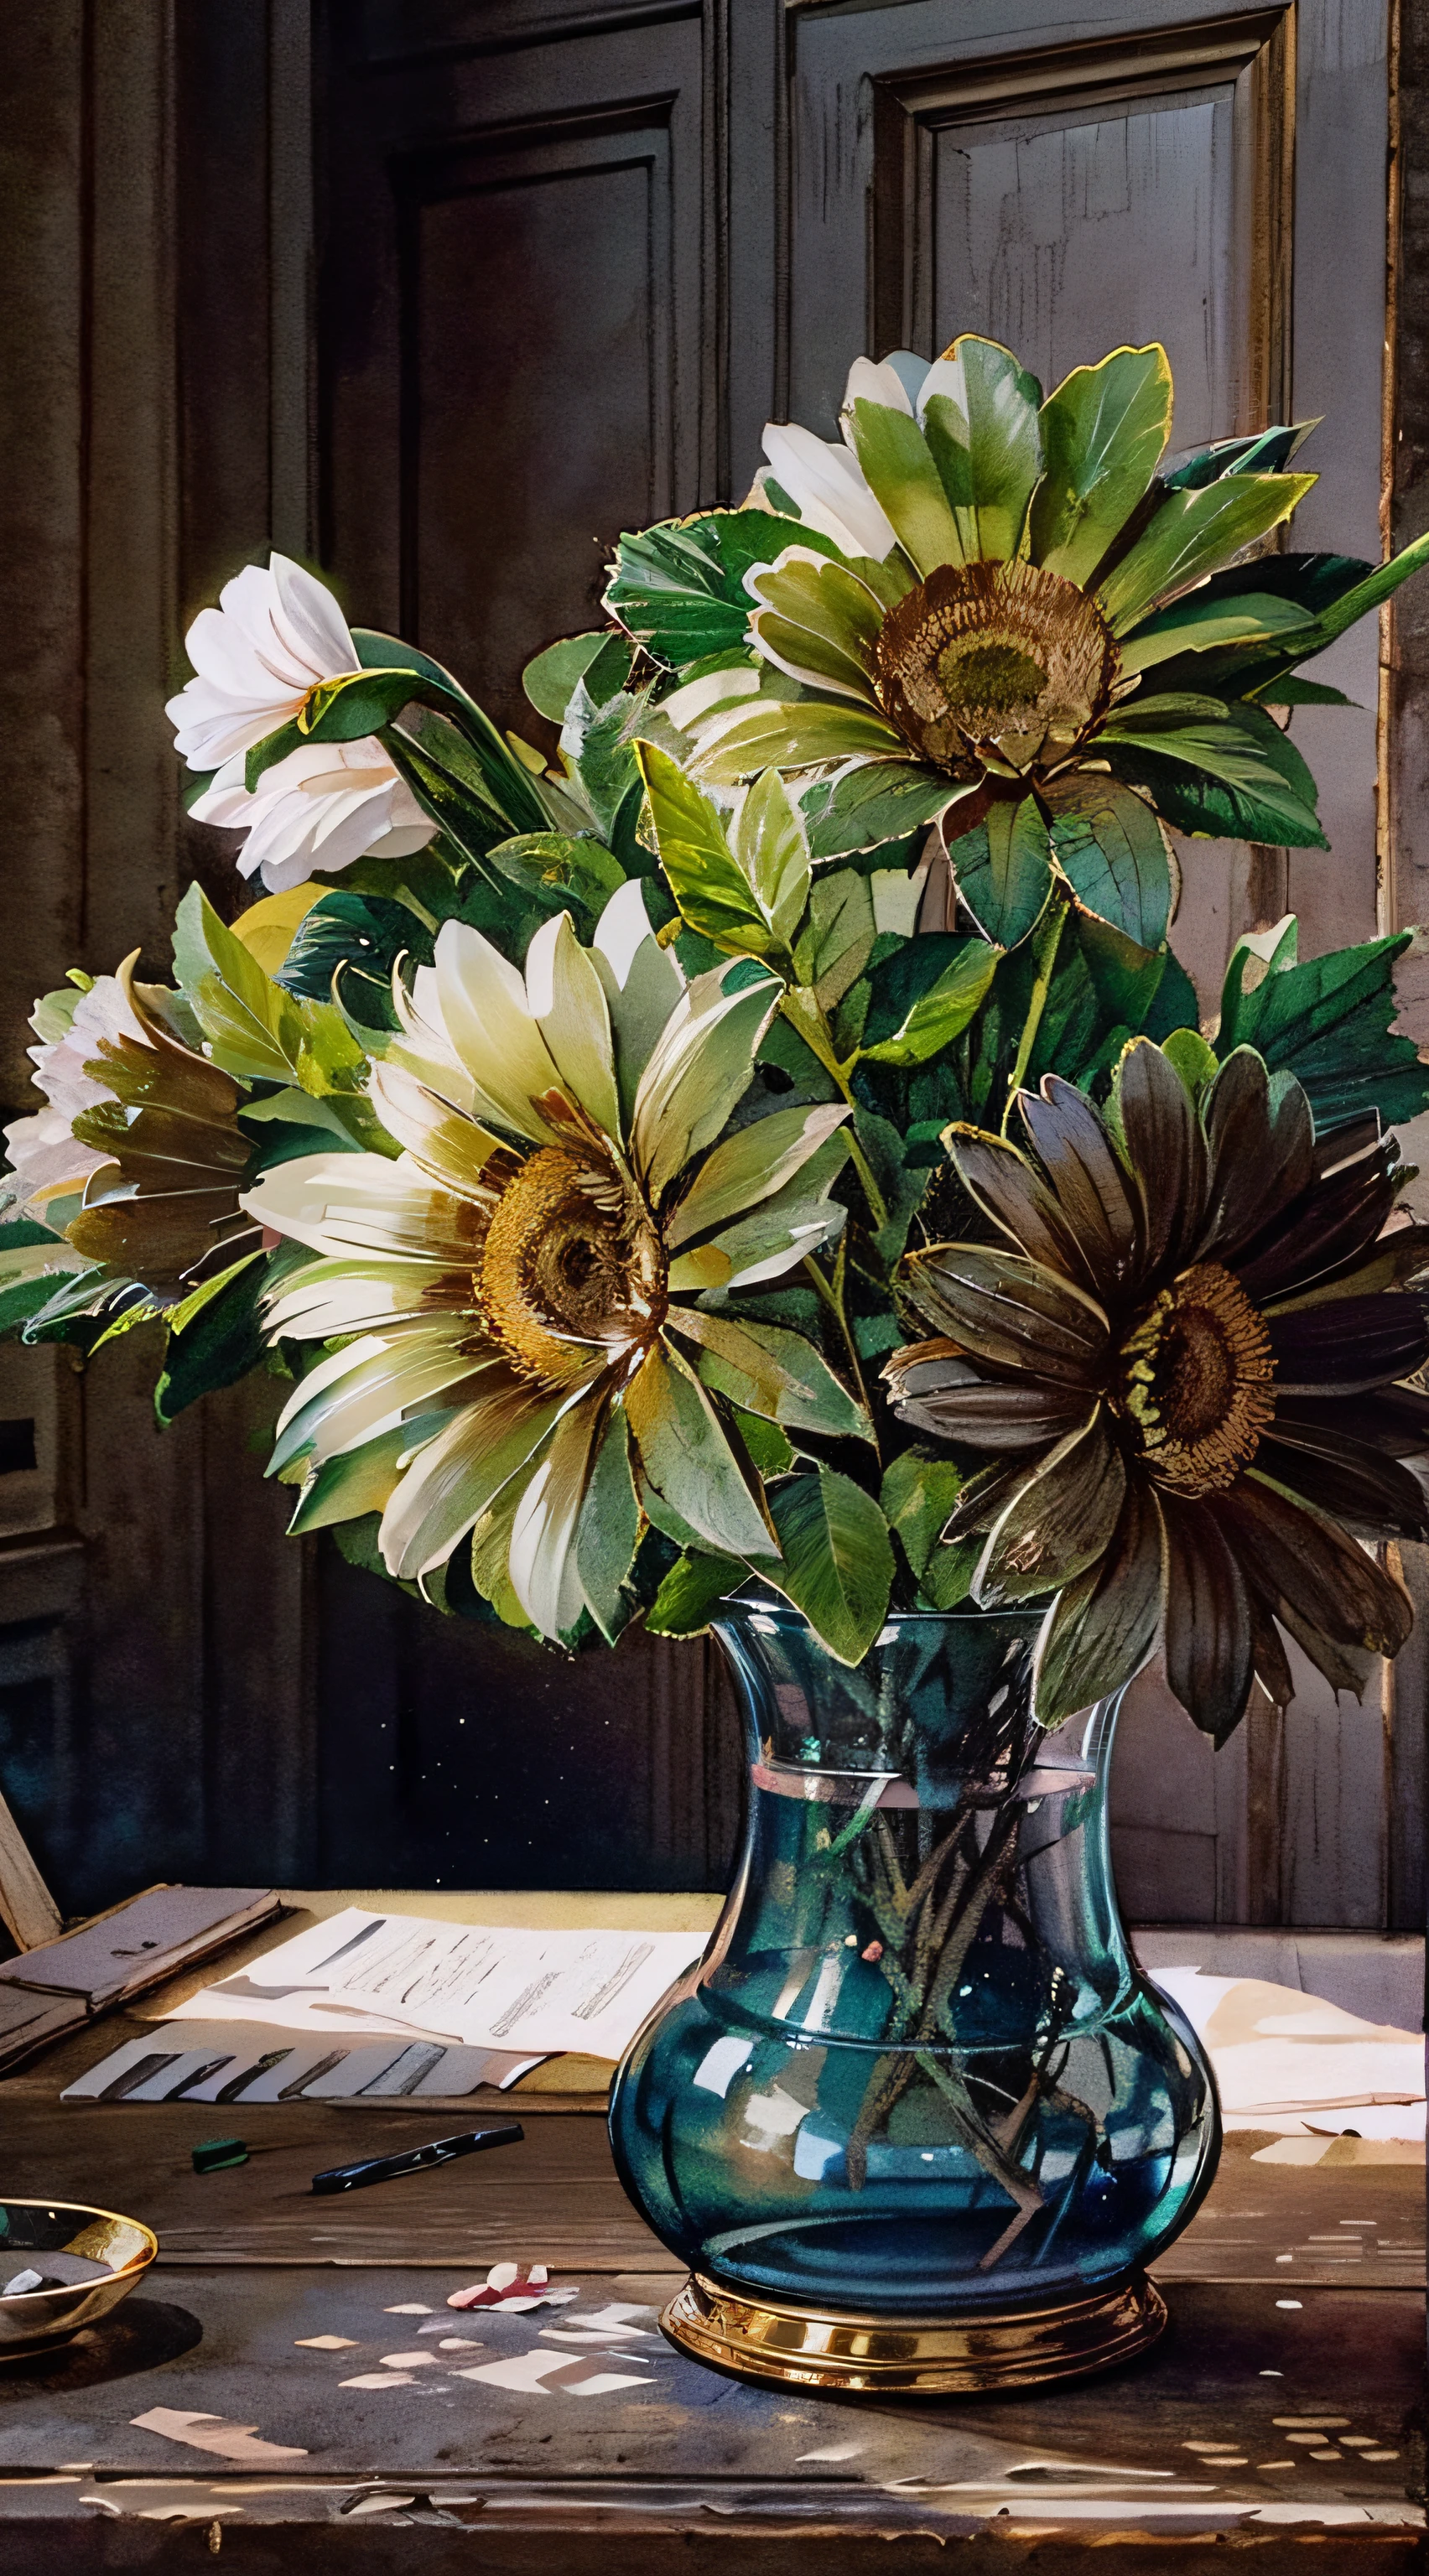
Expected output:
(487, 1986)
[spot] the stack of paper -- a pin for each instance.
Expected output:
(54, 1988)
(483, 1985)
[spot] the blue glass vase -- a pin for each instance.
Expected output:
(915, 2121)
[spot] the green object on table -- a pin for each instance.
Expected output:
(213, 2155)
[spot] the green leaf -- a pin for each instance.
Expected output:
(215, 1335)
(923, 996)
(692, 1592)
(357, 938)
(608, 1529)
(768, 845)
(556, 870)
(874, 802)
(508, 784)
(348, 1487)
(1112, 851)
(1330, 1022)
(1265, 451)
(767, 1370)
(711, 889)
(1004, 870)
(919, 1491)
(837, 1559)
(1290, 692)
(1103, 431)
(1193, 1059)
(984, 431)
(1198, 623)
(679, 588)
(32, 1264)
(1194, 533)
(899, 469)
(837, 941)
(254, 1027)
(550, 680)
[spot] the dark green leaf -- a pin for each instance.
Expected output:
(1268, 451)
(357, 938)
(923, 996)
(557, 871)
(1240, 779)
(692, 1592)
(221, 1338)
(1112, 851)
(881, 800)
(679, 588)
(1330, 1022)
(602, 660)
(1004, 870)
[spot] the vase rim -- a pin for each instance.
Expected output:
(753, 1600)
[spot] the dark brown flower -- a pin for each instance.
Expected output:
(1187, 1365)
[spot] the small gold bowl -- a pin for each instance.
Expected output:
(107, 2255)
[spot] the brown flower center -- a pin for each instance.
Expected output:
(571, 1266)
(994, 658)
(1197, 1382)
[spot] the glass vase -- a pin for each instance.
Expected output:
(915, 2121)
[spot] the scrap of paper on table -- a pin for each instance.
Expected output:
(1293, 2062)
(485, 1985)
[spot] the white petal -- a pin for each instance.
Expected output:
(827, 485)
(567, 1000)
(541, 1560)
(309, 620)
(876, 384)
(488, 1020)
(714, 689)
(361, 1203)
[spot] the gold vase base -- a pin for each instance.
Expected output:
(912, 2356)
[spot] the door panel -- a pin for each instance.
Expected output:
(512, 298)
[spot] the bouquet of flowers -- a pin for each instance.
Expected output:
(776, 1137)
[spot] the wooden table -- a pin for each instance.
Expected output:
(1296, 2293)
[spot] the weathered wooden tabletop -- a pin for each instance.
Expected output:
(1296, 2294)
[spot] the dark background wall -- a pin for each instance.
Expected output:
(439, 294)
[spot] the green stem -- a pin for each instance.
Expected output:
(1044, 949)
(833, 1297)
(814, 1029)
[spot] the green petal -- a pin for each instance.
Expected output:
(609, 1528)
(750, 1166)
(684, 1454)
(1103, 1627)
(568, 1000)
(980, 419)
(361, 1480)
(1193, 625)
(643, 983)
(761, 1246)
(900, 472)
(808, 735)
(453, 1479)
(1103, 432)
(829, 621)
(768, 1370)
(698, 1074)
(873, 802)
(1244, 752)
(1194, 533)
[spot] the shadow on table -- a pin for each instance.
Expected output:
(139, 2336)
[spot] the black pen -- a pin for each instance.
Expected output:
(415, 2159)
